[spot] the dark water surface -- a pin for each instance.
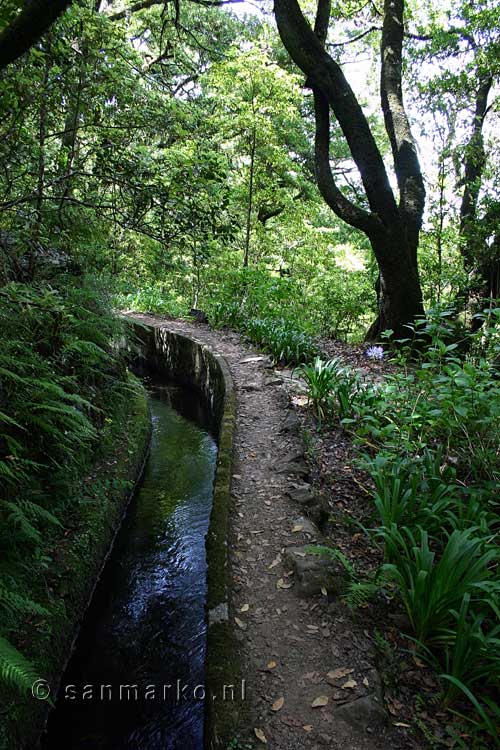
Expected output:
(145, 628)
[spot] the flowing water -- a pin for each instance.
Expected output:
(145, 628)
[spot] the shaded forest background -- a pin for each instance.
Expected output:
(169, 149)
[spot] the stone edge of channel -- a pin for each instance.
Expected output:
(224, 684)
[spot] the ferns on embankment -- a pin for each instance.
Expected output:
(62, 378)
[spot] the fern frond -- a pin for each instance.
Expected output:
(15, 669)
(359, 593)
(335, 555)
(16, 603)
(38, 512)
(9, 420)
(18, 519)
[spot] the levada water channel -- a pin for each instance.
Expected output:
(135, 678)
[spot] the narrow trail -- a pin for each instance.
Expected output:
(295, 650)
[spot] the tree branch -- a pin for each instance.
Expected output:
(404, 151)
(142, 4)
(322, 21)
(340, 205)
(355, 38)
(324, 74)
(27, 28)
(118, 15)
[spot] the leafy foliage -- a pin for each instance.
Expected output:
(320, 378)
(281, 339)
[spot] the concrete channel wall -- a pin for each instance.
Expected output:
(191, 363)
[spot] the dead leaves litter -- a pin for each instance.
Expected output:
(349, 685)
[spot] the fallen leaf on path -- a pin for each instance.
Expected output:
(337, 674)
(297, 528)
(324, 591)
(240, 623)
(394, 705)
(245, 608)
(282, 585)
(320, 701)
(260, 735)
(272, 664)
(307, 728)
(349, 685)
(278, 704)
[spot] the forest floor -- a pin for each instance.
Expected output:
(317, 673)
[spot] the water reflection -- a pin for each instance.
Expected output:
(146, 626)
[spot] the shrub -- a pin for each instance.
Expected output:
(420, 491)
(281, 339)
(432, 589)
(319, 377)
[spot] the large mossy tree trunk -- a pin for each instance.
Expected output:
(391, 225)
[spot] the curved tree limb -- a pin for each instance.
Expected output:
(324, 74)
(333, 196)
(27, 28)
(346, 210)
(404, 150)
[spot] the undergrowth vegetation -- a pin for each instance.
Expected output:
(282, 338)
(62, 380)
(280, 315)
(428, 437)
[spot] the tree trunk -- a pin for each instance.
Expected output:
(473, 245)
(392, 226)
(475, 160)
(69, 142)
(42, 132)
(399, 293)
